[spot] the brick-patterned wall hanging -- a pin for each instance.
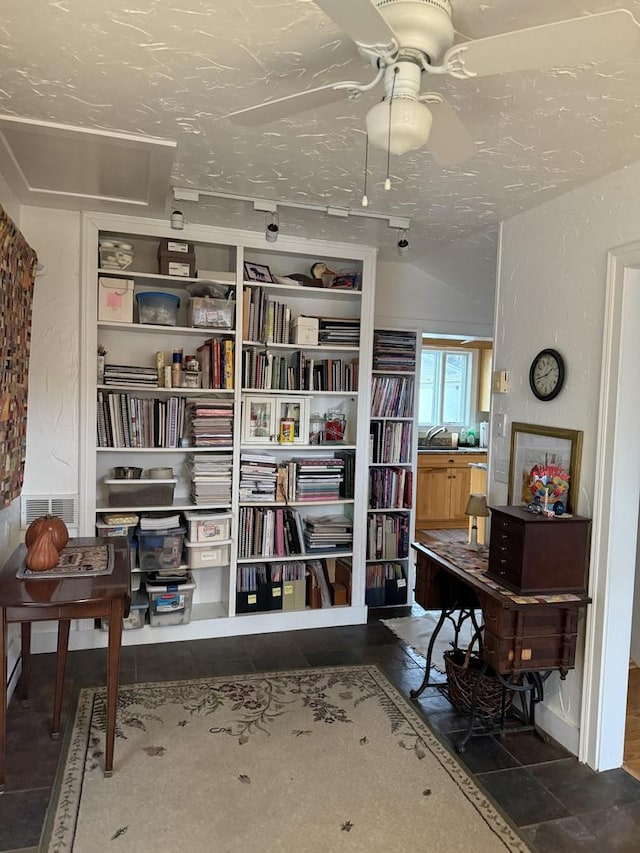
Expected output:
(17, 273)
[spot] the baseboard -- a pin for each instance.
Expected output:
(558, 728)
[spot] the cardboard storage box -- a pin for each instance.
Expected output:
(177, 257)
(115, 299)
(170, 603)
(208, 526)
(203, 555)
(294, 595)
(305, 331)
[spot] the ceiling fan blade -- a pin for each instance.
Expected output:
(291, 105)
(359, 19)
(572, 42)
(449, 140)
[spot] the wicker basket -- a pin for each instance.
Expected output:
(462, 670)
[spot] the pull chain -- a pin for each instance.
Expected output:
(387, 183)
(365, 199)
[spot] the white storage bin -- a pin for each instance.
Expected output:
(115, 255)
(208, 526)
(170, 604)
(205, 555)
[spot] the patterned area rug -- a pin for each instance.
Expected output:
(312, 761)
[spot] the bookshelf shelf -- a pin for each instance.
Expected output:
(344, 346)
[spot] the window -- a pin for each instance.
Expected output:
(445, 386)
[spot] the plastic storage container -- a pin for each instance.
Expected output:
(139, 493)
(158, 309)
(115, 255)
(137, 613)
(204, 555)
(208, 313)
(170, 604)
(160, 549)
(208, 526)
(104, 529)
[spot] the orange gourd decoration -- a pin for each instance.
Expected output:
(43, 554)
(57, 527)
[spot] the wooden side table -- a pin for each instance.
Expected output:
(62, 599)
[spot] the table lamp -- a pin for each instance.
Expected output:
(476, 507)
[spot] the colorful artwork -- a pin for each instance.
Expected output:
(17, 273)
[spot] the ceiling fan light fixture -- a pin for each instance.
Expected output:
(410, 125)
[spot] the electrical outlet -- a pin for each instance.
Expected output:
(501, 471)
(501, 424)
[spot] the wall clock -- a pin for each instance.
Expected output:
(546, 375)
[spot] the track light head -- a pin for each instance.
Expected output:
(272, 229)
(403, 244)
(177, 220)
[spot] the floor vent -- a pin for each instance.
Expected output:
(64, 506)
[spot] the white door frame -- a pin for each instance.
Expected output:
(615, 519)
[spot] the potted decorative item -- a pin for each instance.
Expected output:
(549, 486)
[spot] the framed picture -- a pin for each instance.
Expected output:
(296, 409)
(259, 420)
(543, 448)
(257, 272)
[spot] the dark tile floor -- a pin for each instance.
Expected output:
(557, 804)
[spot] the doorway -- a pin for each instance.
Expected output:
(615, 526)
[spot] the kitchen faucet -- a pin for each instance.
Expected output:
(434, 431)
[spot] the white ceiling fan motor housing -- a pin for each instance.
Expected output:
(420, 25)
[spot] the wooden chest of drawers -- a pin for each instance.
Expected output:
(532, 554)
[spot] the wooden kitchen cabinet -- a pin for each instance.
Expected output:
(443, 487)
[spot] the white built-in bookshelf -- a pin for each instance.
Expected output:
(303, 530)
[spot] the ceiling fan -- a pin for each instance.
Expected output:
(404, 39)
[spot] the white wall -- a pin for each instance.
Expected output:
(408, 297)
(53, 428)
(550, 292)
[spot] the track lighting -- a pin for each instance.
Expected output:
(177, 220)
(273, 229)
(403, 244)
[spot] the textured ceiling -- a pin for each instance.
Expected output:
(175, 68)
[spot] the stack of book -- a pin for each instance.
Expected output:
(318, 478)
(211, 475)
(258, 473)
(210, 422)
(328, 533)
(159, 521)
(269, 532)
(130, 376)
(394, 351)
(390, 441)
(392, 397)
(387, 536)
(216, 358)
(127, 421)
(338, 330)
(390, 488)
